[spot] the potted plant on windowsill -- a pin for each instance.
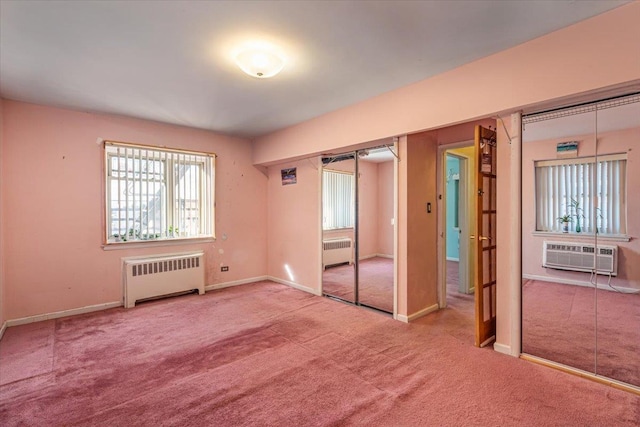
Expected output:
(565, 220)
(575, 207)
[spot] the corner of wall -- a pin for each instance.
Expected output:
(3, 322)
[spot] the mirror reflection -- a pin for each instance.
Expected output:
(581, 283)
(376, 225)
(358, 227)
(338, 226)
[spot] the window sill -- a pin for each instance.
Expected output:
(337, 230)
(583, 236)
(114, 246)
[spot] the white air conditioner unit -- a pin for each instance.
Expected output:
(575, 256)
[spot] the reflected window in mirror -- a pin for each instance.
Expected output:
(565, 192)
(338, 200)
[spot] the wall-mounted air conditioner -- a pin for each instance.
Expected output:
(580, 257)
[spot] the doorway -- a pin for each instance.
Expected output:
(358, 227)
(458, 224)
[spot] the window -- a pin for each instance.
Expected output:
(338, 200)
(155, 193)
(571, 186)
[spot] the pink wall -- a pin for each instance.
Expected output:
(629, 252)
(524, 76)
(2, 310)
(417, 229)
(53, 207)
(385, 208)
(500, 82)
(294, 232)
(294, 222)
(368, 209)
(505, 301)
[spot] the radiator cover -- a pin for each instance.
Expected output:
(161, 275)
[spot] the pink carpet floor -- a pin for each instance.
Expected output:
(265, 354)
(559, 324)
(375, 284)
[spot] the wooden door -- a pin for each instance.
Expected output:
(485, 273)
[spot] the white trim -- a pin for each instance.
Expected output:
(295, 285)
(320, 228)
(396, 180)
(580, 373)
(157, 243)
(488, 341)
(468, 209)
(63, 313)
(384, 256)
(586, 284)
(450, 258)
(223, 285)
(583, 237)
(418, 314)
(515, 239)
(502, 348)
(580, 160)
(156, 257)
(2, 329)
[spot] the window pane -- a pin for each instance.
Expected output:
(338, 201)
(188, 197)
(566, 189)
(156, 194)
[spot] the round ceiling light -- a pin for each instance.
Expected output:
(259, 62)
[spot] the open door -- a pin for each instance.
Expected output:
(485, 272)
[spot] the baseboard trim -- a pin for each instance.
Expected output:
(580, 373)
(295, 285)
(417, 314)
(63, 313)
(208, 288)
(504, 349)
(601, 286)
(384, 256)
(2, 329)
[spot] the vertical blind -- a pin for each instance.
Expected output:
(338, 200)
(594, 195)
(155, 193)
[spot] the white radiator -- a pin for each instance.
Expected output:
(162, 275)
(337, 251)
(580, 257)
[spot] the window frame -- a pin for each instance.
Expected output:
(352, 201)
(593, 161)
(171, 195)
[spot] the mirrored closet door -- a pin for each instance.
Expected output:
(339, 226)
(358, 227)
(616, 220)
(581, 283)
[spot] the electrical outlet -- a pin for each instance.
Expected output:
(224, 268)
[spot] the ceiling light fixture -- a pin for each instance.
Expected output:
(260, 62)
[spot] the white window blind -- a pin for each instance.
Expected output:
(575, 186)
(156, 193)
(338, 199)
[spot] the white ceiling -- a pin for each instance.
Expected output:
(169, 60)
